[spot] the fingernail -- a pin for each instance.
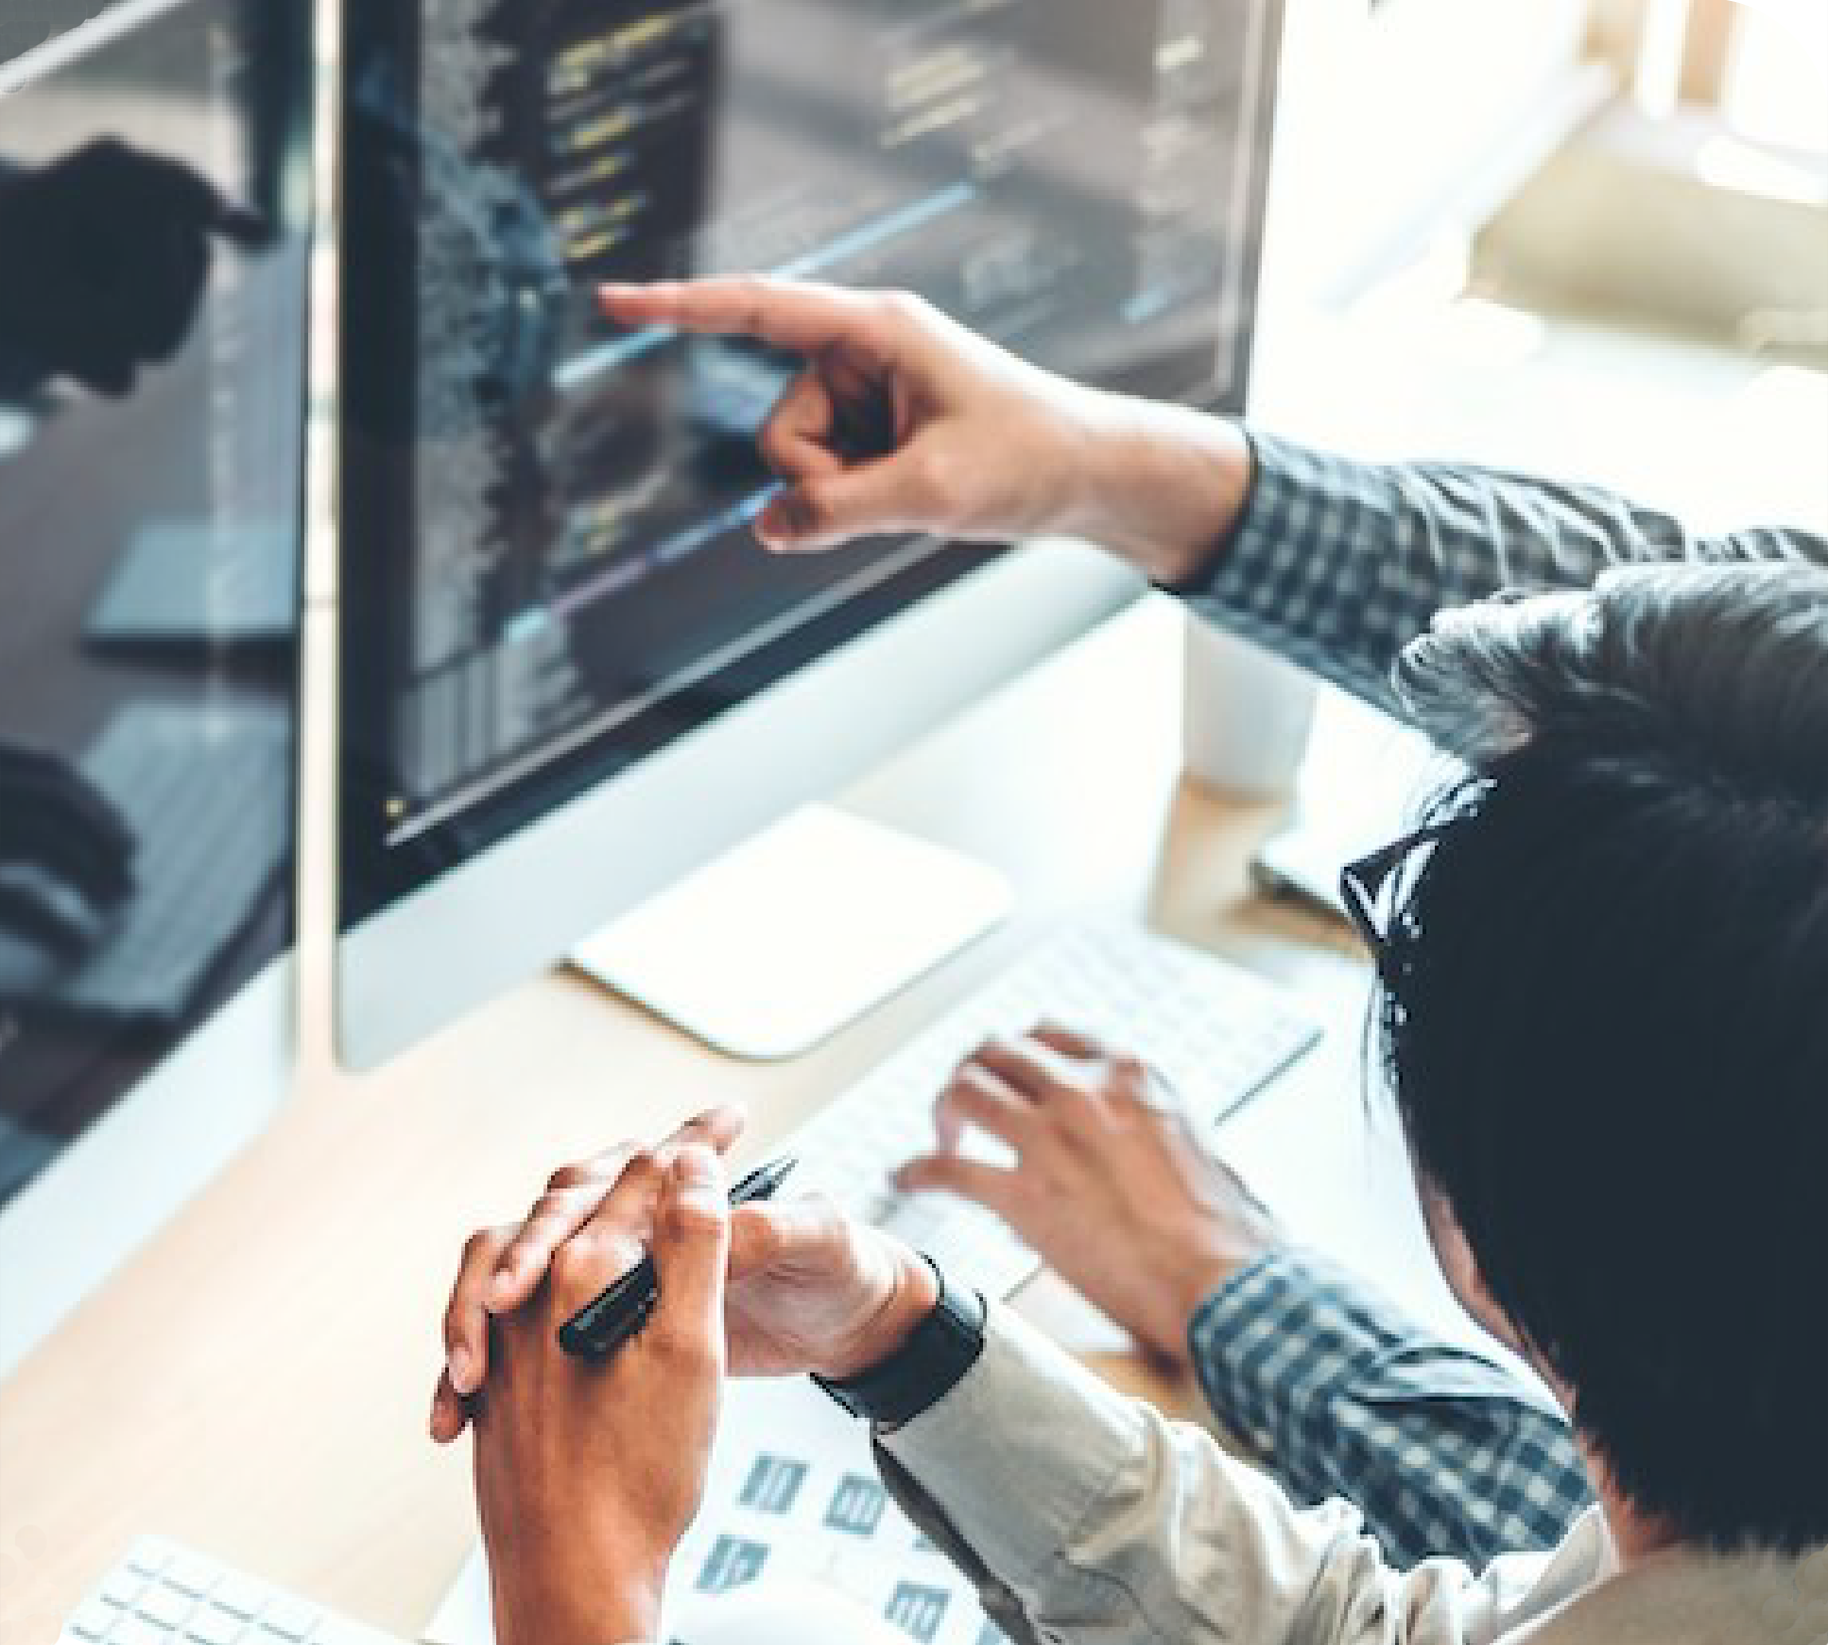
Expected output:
(728, 1115)
(694, 1168)
(463, 1370)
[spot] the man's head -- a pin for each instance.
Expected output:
(1606, 1019)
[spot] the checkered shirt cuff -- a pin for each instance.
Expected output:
(1443, 1452)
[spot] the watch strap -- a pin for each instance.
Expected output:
(927, 1367)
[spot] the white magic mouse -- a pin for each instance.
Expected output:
(782, 1611)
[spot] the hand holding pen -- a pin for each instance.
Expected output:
(809, 1289)
(619, 1312)
(587, 1475)
(608, 1458)
(504, 1267)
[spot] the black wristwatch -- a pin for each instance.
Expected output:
(928, 1366)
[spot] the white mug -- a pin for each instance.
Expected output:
(1248, 713)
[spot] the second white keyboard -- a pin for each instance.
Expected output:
(161, 1594)
(1218, 1034)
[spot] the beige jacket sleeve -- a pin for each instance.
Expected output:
(1089, 1519)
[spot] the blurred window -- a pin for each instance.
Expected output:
(1776, 82)
(1761, 64)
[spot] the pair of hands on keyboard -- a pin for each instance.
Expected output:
(588, 1475)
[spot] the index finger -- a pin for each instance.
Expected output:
(692, 1253)
(1070, 1042)
(786, 314)
(1033, 1069)
(719, 1129)
(570, 1201)
(576, 1193)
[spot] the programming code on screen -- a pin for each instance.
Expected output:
(562, 561)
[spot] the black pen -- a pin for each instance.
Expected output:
(599, 1330)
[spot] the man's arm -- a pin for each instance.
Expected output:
(1088, 1517)
(1339, 564)
(1442, 1452)
(1334, 563)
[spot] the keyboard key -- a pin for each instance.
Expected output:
(212, 1625)
(123, 1587)
(136, 1630)
(93, 1618)
(240, 1596)
(149, 1556)
(166, 1607)
(290, 1619)
(191, 1575)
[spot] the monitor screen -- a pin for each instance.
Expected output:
(548, 571)
(153, 278)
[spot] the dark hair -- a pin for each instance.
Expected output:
(1605, 1018)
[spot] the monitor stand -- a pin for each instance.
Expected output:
(772, 949)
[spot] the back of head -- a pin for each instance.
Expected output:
(1606, 1018)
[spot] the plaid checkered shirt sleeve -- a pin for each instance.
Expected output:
(1339, 564)
(1443, 1452)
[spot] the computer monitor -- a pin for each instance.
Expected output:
(153, 296)
(569, 675)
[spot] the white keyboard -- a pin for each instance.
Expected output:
(1217, 1033)
(165, 1595)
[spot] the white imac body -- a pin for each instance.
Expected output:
(132, 1171)
(553, 886)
